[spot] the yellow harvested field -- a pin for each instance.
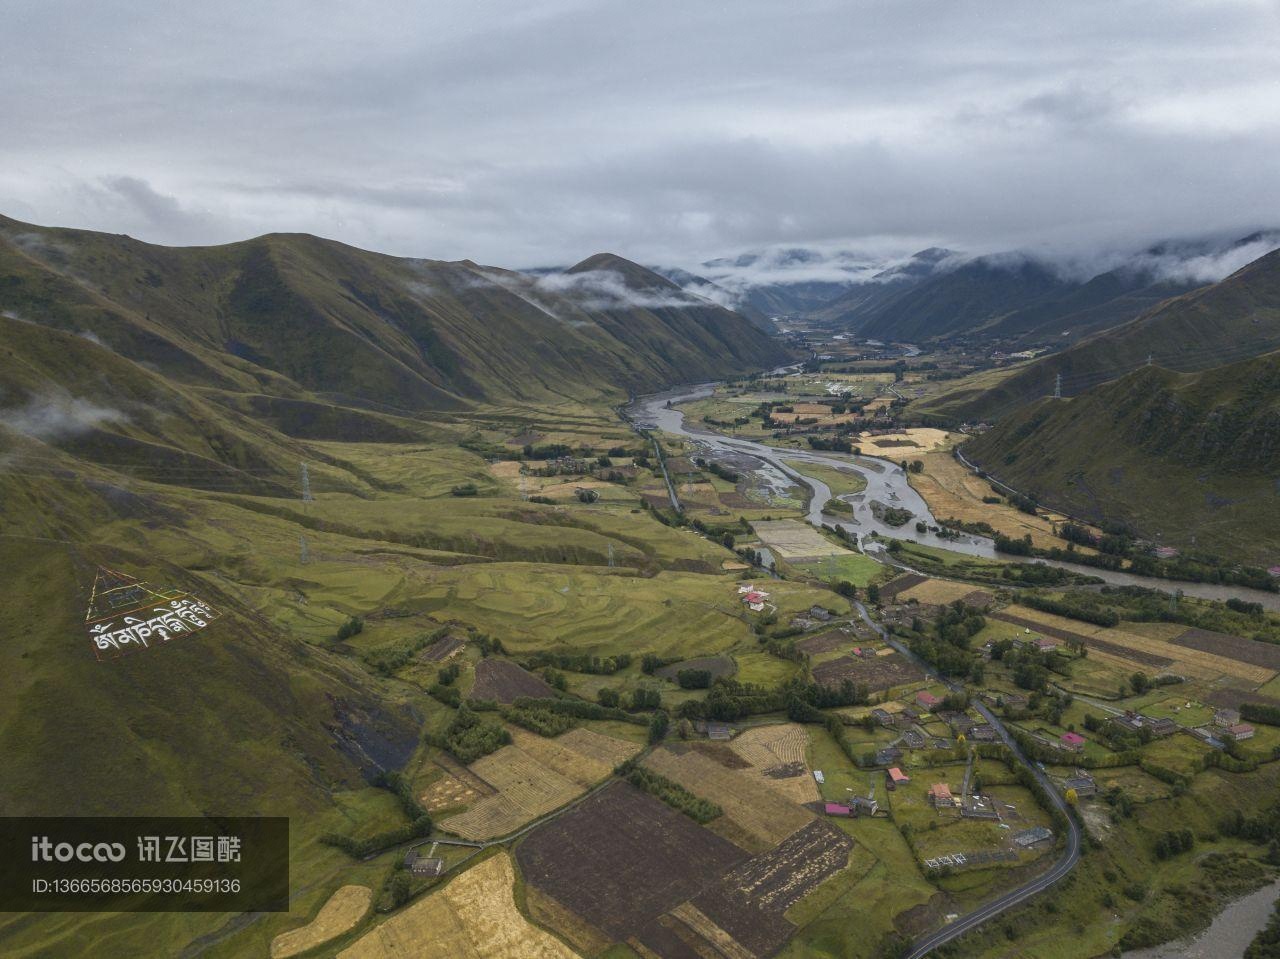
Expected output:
(953, 492)
(446, 792)
(526, 790)
(1186, 661)
(763, 814)
(770, 747)
(345, 908)
(938, 592)
(792, 539)
(580, 755)
(505, 470)
(819, 420)
(535, 775)
(473, 917)
(925, 439)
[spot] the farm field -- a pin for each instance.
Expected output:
(620, 860)
(909, 443)
(1144, 651)
(954, 492)
(943, 592)
(340, 914)
(794, 540)
(875, 672)
(504, 681)
(856, 568)
(776, 755)
(758, 812)
(533, 776)
(473, 917)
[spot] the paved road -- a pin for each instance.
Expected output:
(1070, 855)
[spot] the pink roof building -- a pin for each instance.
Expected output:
(926, 700)
(1240, 731)
(1074, 740)
(754, 597)
(836, 809)
(896, 775)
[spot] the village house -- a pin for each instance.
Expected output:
(1029, 837)
(1240, 732)
(1082, 783)
(888, 756)
(1136, 722)
(940, 796)
(1073, 741)
(819, 613)
(983, 733)
(881, 716)
(865, 806)
(1045, 645)
(912, 739)
(927, 701)
(894, 777)
(1226, 717)
(838, 809)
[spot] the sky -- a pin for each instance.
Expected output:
(539, 132)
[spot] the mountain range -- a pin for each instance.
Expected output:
(300, 317)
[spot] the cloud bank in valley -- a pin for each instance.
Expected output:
(671, 133)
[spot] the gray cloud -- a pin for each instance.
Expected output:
(57, 416)
(669, 132)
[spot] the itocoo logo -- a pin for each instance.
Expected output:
(42, 850)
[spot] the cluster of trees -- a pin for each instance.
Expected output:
(443, 689)
(464, 489)
(580, 662)
(548, 451)
(1173, 842)
(540, 720)
(694, 678)
(832, 444)
(1260, 713)
(947, 648)
(1072, 609)
(672, 793)
(352, 627)
(639, 699)
(468, 737)
(650, 663)
(718, 469)
(578, 708)
(359, 848)
(387, 659)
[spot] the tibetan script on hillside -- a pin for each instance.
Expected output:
(126, 614)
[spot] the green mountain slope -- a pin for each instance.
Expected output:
(286, 315)
(1231, 320)
(1191, 459)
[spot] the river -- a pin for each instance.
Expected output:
(1228, 936)
(886, 484)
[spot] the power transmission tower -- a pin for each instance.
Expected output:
(304, 555)
(1148, 359)
(306, 484)
(1057, 387)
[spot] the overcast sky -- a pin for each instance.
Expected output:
(541, 131)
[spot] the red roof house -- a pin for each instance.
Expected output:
(1073, 740)
(1240, 731)
(837, 809)
(926, 700)
(897, 776)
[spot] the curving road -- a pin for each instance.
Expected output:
(1070, 855)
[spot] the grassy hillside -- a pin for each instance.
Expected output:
(1231, 320)
(286, 315)
(1190, 458)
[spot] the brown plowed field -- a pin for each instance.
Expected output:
(1232, 647)
(506, 682)
(875, 673)
(621, 859)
